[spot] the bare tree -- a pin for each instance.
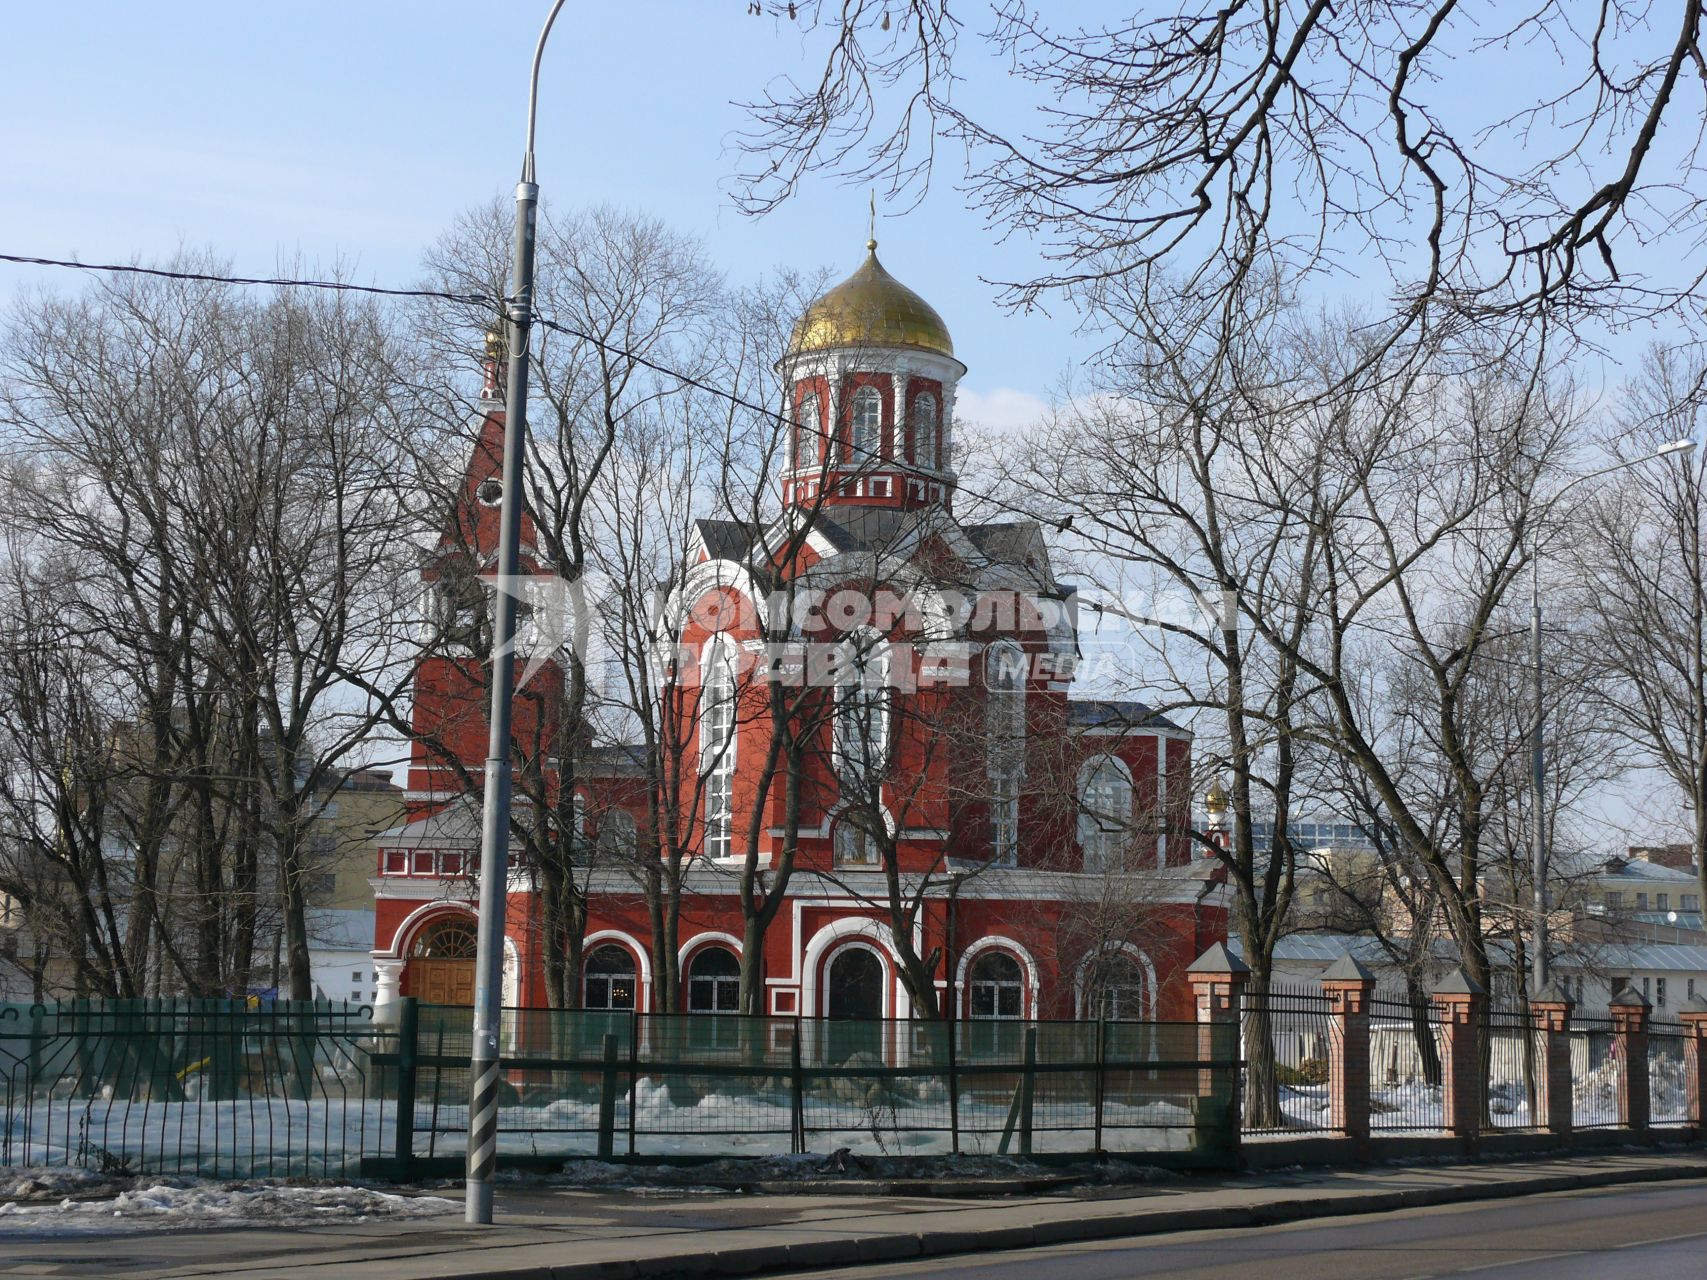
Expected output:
(1641, 572)
(1209, 138)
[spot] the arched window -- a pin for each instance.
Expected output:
(1117, 988)
(808, 430)
(865, 427)
(854, 842)
(447, 940)
(924, 419)
(862, 711)
(714, 981)
(996, 986)
(608, 979)
(717, 746)
(1004, 681)
(1105, 813)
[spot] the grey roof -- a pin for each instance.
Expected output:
(456, 826)
(1008, 542)
(339, 929)
(1637, 869)
(608, 758)
(1325, 948)
(1347, 969)
(1115, 713)
(725, 539)
(1459, 983)
(1218, 959)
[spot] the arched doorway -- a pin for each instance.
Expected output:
(855, 984)
(440, 969)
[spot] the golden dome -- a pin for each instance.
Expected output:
(1217, 798)
(871, 308)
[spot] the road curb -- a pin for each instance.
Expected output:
(900, 1246)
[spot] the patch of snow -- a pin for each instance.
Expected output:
(183, 1203)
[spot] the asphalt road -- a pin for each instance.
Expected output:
(1656, 1232)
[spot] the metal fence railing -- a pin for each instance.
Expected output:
(1510, 1097)
(236, 1089)
(1405, 1052)
(1667, 1077)
(685, 1085)
(214, 1087)
(1297, 1025)
(1597, 1074)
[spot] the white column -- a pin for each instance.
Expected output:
(387, 987)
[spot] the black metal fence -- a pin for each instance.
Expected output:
(1405, 1052)
(657, 1086)
(1667, 1074)
(1510, 1083)
(213, 1087)
(1597, 1074)
(1297, 1023)
(237, 1089)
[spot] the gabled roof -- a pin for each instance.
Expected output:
(456, 826)
(724, 539)
(1119, 715)
(614, 759)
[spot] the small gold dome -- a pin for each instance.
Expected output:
(1217, 798)
(871, 308)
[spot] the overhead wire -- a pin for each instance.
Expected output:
(496, 303)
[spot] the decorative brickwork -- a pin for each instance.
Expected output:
(1461, 1004)
(1350, 987)
(1694, 1018)
(1630, 1047)
(1552, 1010)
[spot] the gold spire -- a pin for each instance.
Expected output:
(871, 308)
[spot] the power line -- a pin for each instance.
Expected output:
(281, 282)
(341, 286)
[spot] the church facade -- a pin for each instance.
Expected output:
(880, 748)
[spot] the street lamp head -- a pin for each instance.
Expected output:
(1676, 446)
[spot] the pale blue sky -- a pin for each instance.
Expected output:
(358, 130)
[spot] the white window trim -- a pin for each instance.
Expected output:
(1087, 771)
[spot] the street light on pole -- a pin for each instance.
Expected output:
(495, 810)
(1537, 746)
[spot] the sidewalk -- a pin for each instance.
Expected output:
(550, 1234)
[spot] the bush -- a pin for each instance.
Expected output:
(1308, 1072)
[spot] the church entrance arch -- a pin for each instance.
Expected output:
(440, 968)
(853, 985)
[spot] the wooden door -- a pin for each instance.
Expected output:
(441, 981)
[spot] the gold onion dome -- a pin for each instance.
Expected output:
(1217, 798)
(871, 308)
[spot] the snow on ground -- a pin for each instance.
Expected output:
(180, 1203)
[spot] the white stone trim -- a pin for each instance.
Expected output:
(860, 931)
(642, 962)
(710, 937)
(1153, 993)
(995, 942)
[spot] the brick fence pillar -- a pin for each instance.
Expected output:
(1218, 983)
(1461, 1005)
(1630, 1047)
(1349, 988)
(1693, 1015)
(1551, 1009)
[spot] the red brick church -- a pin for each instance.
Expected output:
(1031, 848)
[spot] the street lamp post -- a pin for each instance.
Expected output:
(495, 811)
(1537, 745)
